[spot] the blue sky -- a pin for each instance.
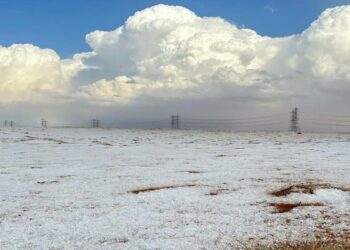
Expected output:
(63, 24)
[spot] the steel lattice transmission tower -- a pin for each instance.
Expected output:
(175, 121)
(96, 123)
(294, 121)
(9, 123)
(43, 123)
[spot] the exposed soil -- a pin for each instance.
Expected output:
(325, 240)
(309, 246)
(193, 172)
(286, 207)
(219, 156)
(46, 182)
(102, 143)
(308, 188)
(151, 189)
(216, 192)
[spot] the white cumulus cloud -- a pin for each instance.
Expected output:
(168, 53)
(173, 48)
(29, 74)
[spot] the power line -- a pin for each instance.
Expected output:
(233, 122)
(332, 124)
(238, 118)
(332, 116)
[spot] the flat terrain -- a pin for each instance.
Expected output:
(154, 189)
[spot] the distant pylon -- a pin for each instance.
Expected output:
(5, 123)
(175, 122)
(12, 124)
(294, 121)
(95, 123)
(43, 123)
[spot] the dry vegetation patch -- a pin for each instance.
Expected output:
(309, 246)
(326, 239)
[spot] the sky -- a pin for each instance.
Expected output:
(62, 24)
(137, 62)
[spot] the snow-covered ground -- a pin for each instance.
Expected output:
(152, 189)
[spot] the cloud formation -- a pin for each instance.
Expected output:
(163, 50)
(168, 53)
(29, 74)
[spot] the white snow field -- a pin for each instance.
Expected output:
(158, 189)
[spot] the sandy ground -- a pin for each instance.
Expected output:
(151, 189)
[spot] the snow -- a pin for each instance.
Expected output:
(335, 198)
(71, 188)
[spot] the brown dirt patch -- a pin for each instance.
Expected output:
(308, 188)
(219, 156)
(102, 143)
(152, 189)
(286, 207)
(216, 192)
(193, 172)
(46, 182)
(325, 240)
(309, 246)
